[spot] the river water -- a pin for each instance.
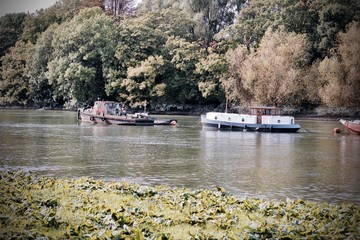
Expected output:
(314, 164)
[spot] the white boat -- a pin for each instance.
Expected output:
(261, 119)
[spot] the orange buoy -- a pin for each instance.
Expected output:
(337, 130)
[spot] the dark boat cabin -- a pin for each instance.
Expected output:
(108, 108)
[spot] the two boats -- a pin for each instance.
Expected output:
(260, 119)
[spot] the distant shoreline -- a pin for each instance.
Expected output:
(317, 113)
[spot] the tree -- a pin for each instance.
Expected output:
(84, 51)
(211, 17)
(11, 27)
(340, 74)
(233, 83)
(275, 71)
(183, 78)
(146, 6)
(119, 7)
(145, 40)
(38, 22)
(252, 22)
(14, 84)
(333, 18)
(93, 3)
(321, 20)
(211, 68)
(37, 67)
(144, 82)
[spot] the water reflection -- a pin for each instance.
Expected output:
(314, 165)
(254, 162)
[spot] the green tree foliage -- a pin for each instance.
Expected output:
(61, 11)
(333, 17)
(143, 82)
(37, 67)
(11, 27)
(117, 7)
(339, 75)
(212, 16)
(321, 20)
(211, 68)
(165, 35)
(14, 84)
(209, 16)
(158, 5)
(252, 22)
(83, 56)
(183, 79)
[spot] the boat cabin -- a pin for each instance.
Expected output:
(108, 108)
(259, 112)
(270, 115)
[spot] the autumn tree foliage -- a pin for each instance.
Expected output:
(273, 73)
(339, 75)
(234, 84)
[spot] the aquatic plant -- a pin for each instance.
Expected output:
(34, 206)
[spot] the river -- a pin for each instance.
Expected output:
(314, 164)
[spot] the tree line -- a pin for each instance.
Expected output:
(269, 52)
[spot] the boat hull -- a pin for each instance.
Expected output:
(110, 112)
(118, 120)
(351, 126)
(233, 126)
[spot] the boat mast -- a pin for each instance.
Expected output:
(226, 104)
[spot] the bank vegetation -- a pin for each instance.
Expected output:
(35, 207)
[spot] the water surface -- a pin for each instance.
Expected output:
(314, 164)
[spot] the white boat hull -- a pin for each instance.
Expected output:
(248, 123)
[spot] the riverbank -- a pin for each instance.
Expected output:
(312, 112)
(41, 207)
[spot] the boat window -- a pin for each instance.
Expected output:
(279, 121)
(229, 118)
(215, 117)
(243, 119)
